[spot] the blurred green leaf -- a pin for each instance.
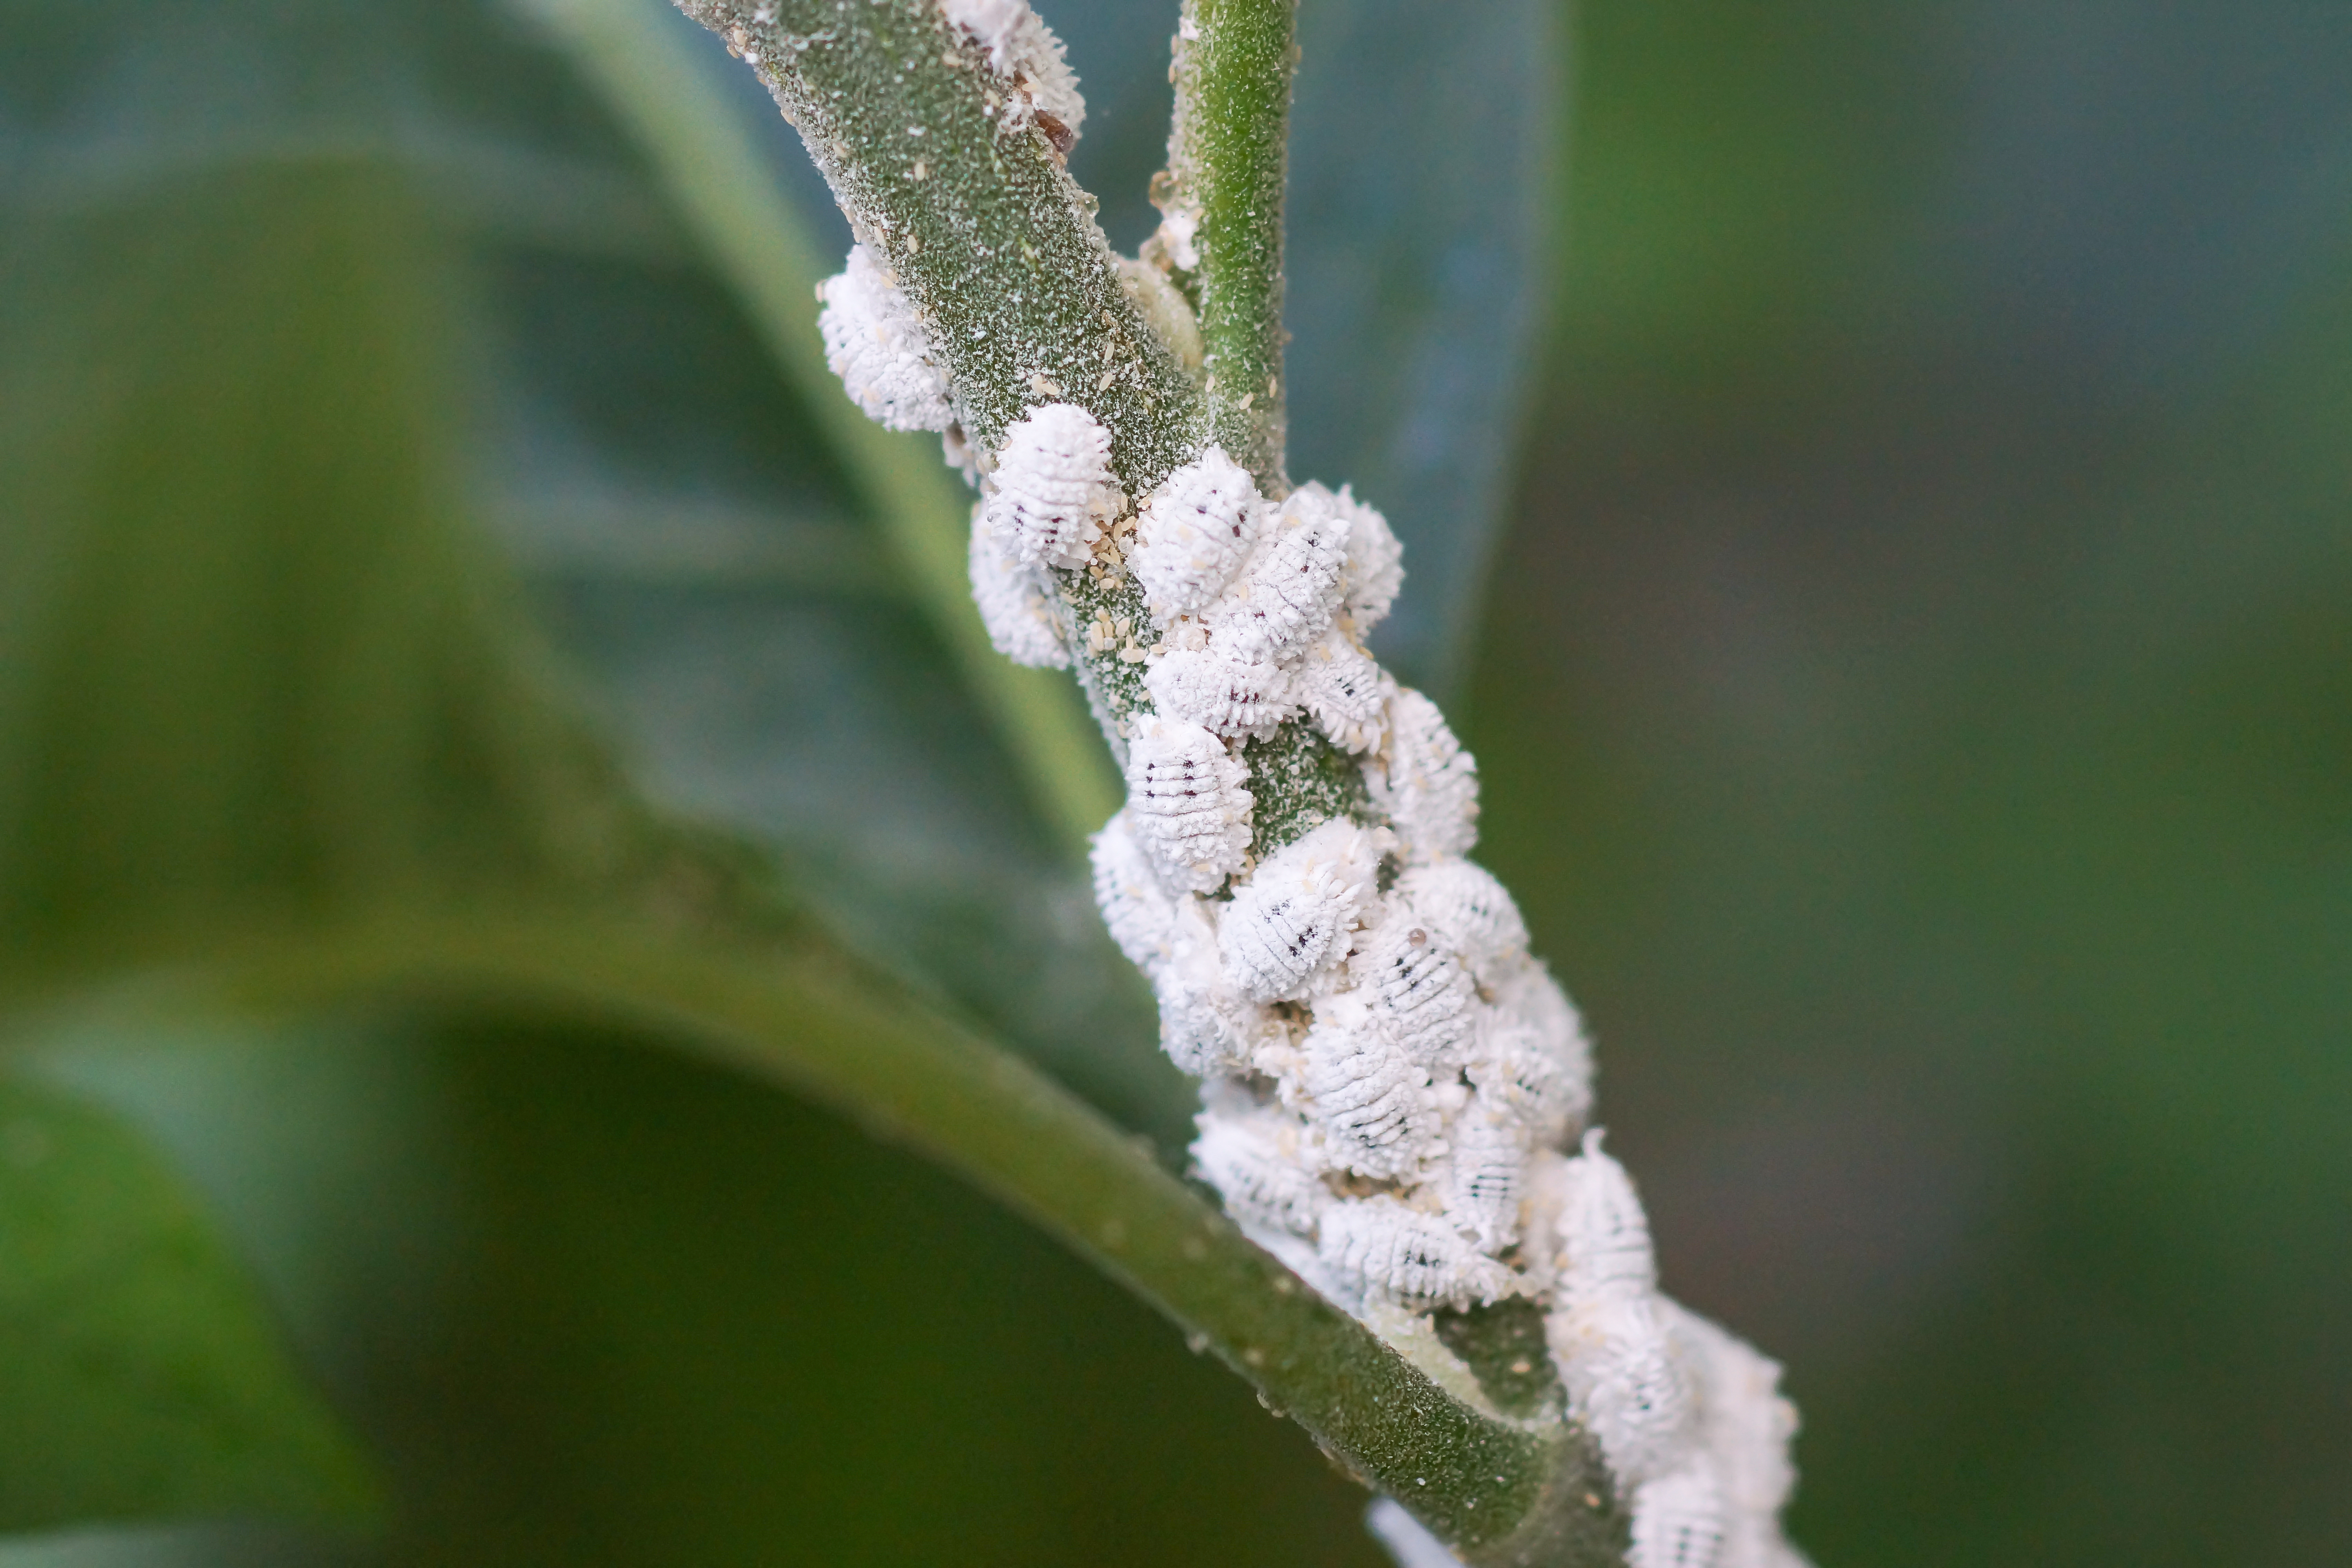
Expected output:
(140, 1373)
(1425, 151)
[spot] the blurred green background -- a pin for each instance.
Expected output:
(1913, 689)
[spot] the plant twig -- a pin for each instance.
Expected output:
(710, 164)
(1226, 157)
(803, 1016)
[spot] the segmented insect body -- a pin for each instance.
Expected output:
(1468, 910)
(1051, 494)
(1486, 1169)
(1422, 995)
(1207, 688)
(1407, 1255)
(1136, 908)
(1530, 1006)
(1193, 533)
(1292, 917)
(1255, 1161)
(1747, 1425)
(1370, 1099)
(1023, 620)
(1374, 575)
(1678, 1521)
(1602, 1230)
(1623, 1380)
(1519, 1080)
(1346, 690)
(1289, 589)
(1424, 781)
(1205, 1025)
(1186, 803)
(1025, 53)
(876, 343)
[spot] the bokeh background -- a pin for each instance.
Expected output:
(1911, 669)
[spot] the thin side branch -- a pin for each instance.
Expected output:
(1226, 158)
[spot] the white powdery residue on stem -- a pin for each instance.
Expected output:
(1024, 53)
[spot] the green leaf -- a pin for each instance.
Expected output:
(1422, 175)
(141, 1375)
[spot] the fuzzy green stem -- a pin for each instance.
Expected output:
(710, 165)
(783, 1008)
(1226, 158)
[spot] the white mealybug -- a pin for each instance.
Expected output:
(1205, 1025)
(1486, 1170)
(876, 343)
(1136, 908)
(1374, 575)
(1206, 687)
(1050, 494)
(1468, 910)
(1623, 1381)
(1022, 618)
(1178, 236)
(1407, 1255)
(1678, 1520)
(1422, 995)
(1603, 1231)
(1518, 1078)
(1255, 1161)
(1747, 1424)
(1529, 1000)
(1424, 781)
(1346, 690)
(1186, 804)
(1292, 916)
(1370, 1099)
(1193, 533)
(1024, 52)
(1289, 590)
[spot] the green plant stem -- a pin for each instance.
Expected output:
(709, 163)
(803, 1016)
(1226, 158)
